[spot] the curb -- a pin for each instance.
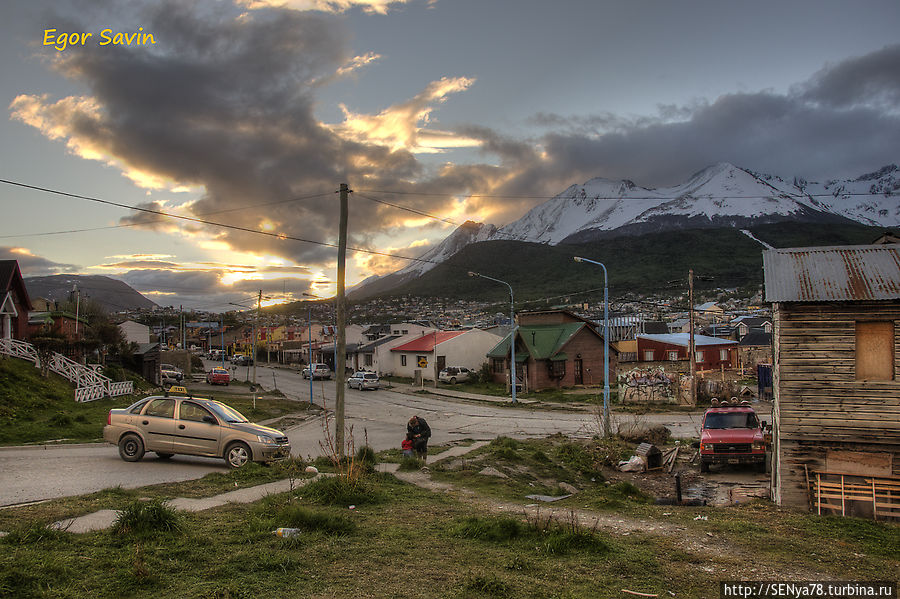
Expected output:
(53, 446)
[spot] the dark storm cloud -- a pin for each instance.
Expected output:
(32, 265)
(843, 122)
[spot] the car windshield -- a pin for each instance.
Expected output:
(227, 413)
(220, 371)
(731, 420)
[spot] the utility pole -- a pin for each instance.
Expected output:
(691, 342)
(256, 333)
(340, 350)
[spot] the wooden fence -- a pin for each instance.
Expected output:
(855, 495)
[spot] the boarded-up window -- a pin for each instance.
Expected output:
(875, 351)
(648, 355)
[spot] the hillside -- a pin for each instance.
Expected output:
(639, 264)
(112, 294)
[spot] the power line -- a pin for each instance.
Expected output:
(159, 220)
(281, 236)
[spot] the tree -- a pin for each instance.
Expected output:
(46, 343)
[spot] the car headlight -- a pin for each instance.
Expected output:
(266, 439)
(759, 445)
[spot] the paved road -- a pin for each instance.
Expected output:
(376, 417)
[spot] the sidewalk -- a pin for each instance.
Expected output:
(451, 392)
(104, 519)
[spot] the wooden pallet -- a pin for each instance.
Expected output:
(838, 491)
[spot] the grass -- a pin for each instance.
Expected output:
(38, 410)
(450, 547)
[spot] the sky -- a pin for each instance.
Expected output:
(251, 113)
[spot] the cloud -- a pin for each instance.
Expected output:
(399, 127)
(380, 7)
(33, 265)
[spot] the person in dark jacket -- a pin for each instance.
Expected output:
(418, 431)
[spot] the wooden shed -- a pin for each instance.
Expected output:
(837, 394)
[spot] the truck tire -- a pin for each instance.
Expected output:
(704, 466)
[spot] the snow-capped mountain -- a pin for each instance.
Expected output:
(467, 233)
(721, 195)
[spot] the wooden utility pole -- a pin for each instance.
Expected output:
(256, 333)
(340, 350)
(691, 342)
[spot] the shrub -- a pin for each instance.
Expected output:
(295, 516)
(493, 529)
(147, 516)
(340, 490)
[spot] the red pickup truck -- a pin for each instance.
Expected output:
(731, 434)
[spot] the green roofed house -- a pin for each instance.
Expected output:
(554, 348)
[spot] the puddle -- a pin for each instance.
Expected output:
(719, 493)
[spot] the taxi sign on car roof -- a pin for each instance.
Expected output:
(176, 389)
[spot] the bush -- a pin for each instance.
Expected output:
(493, 529)
(340, 490)
(295, 516)
(141, 517)
(410, 464)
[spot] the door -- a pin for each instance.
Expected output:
(193, 434)
(157, 424)
(579, 372)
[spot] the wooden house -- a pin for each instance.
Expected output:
(837, 394)
(554, 348)
(14, 301)
(711, 353)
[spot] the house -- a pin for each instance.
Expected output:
(711, 353)
(679, 325)
(14, 301)
(722, 331)
(709, 312)
(375, 356)
(432, 352)
(61, 323)
(554, 348)
(837, 393)
(135, 332)
(752, 324)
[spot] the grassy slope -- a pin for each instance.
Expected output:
(34, 409)
(642, 264)
(402, 541)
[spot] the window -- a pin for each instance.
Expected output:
(648, 355)
(193, 412)
(672, 355)
(557, 368)
(368, 360)
(698, 356)
(498, 365)
(875, 351)
(162, 408)
(402, 359)
(723, 355)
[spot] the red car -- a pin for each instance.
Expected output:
(218, 376)
(731, 434)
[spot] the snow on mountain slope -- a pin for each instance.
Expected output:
(872, 199)
(466, 233)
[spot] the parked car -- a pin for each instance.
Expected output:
(205, 427)
(363, 380)
(731, 434)
(218, 376)
(455, 375)
(319, 371)
(171, 373)
(241, 360)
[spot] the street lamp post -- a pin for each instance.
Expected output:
(309, 337)
(606, 423)
(512, 332)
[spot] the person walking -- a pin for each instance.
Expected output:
(419, 432)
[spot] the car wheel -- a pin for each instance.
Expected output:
(704, 466)
(237, 455)
(163, 456)
(131, 448)
(452, 380)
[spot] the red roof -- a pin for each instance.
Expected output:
(426, 342)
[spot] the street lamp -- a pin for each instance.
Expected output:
(309, 337)
(512, 332)
(606, 427)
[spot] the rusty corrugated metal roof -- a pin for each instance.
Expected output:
(832, 274)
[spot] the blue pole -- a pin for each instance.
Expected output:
(606, 423)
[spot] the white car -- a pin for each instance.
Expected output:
(319, 371)
(363, 380)
(455, 375)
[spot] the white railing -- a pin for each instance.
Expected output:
(89, 383)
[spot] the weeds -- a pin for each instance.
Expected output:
(489, 584)
(34, 534)
(411, 464)
(142, 517)
(342, 490)
(295, 516)
(545, 533)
